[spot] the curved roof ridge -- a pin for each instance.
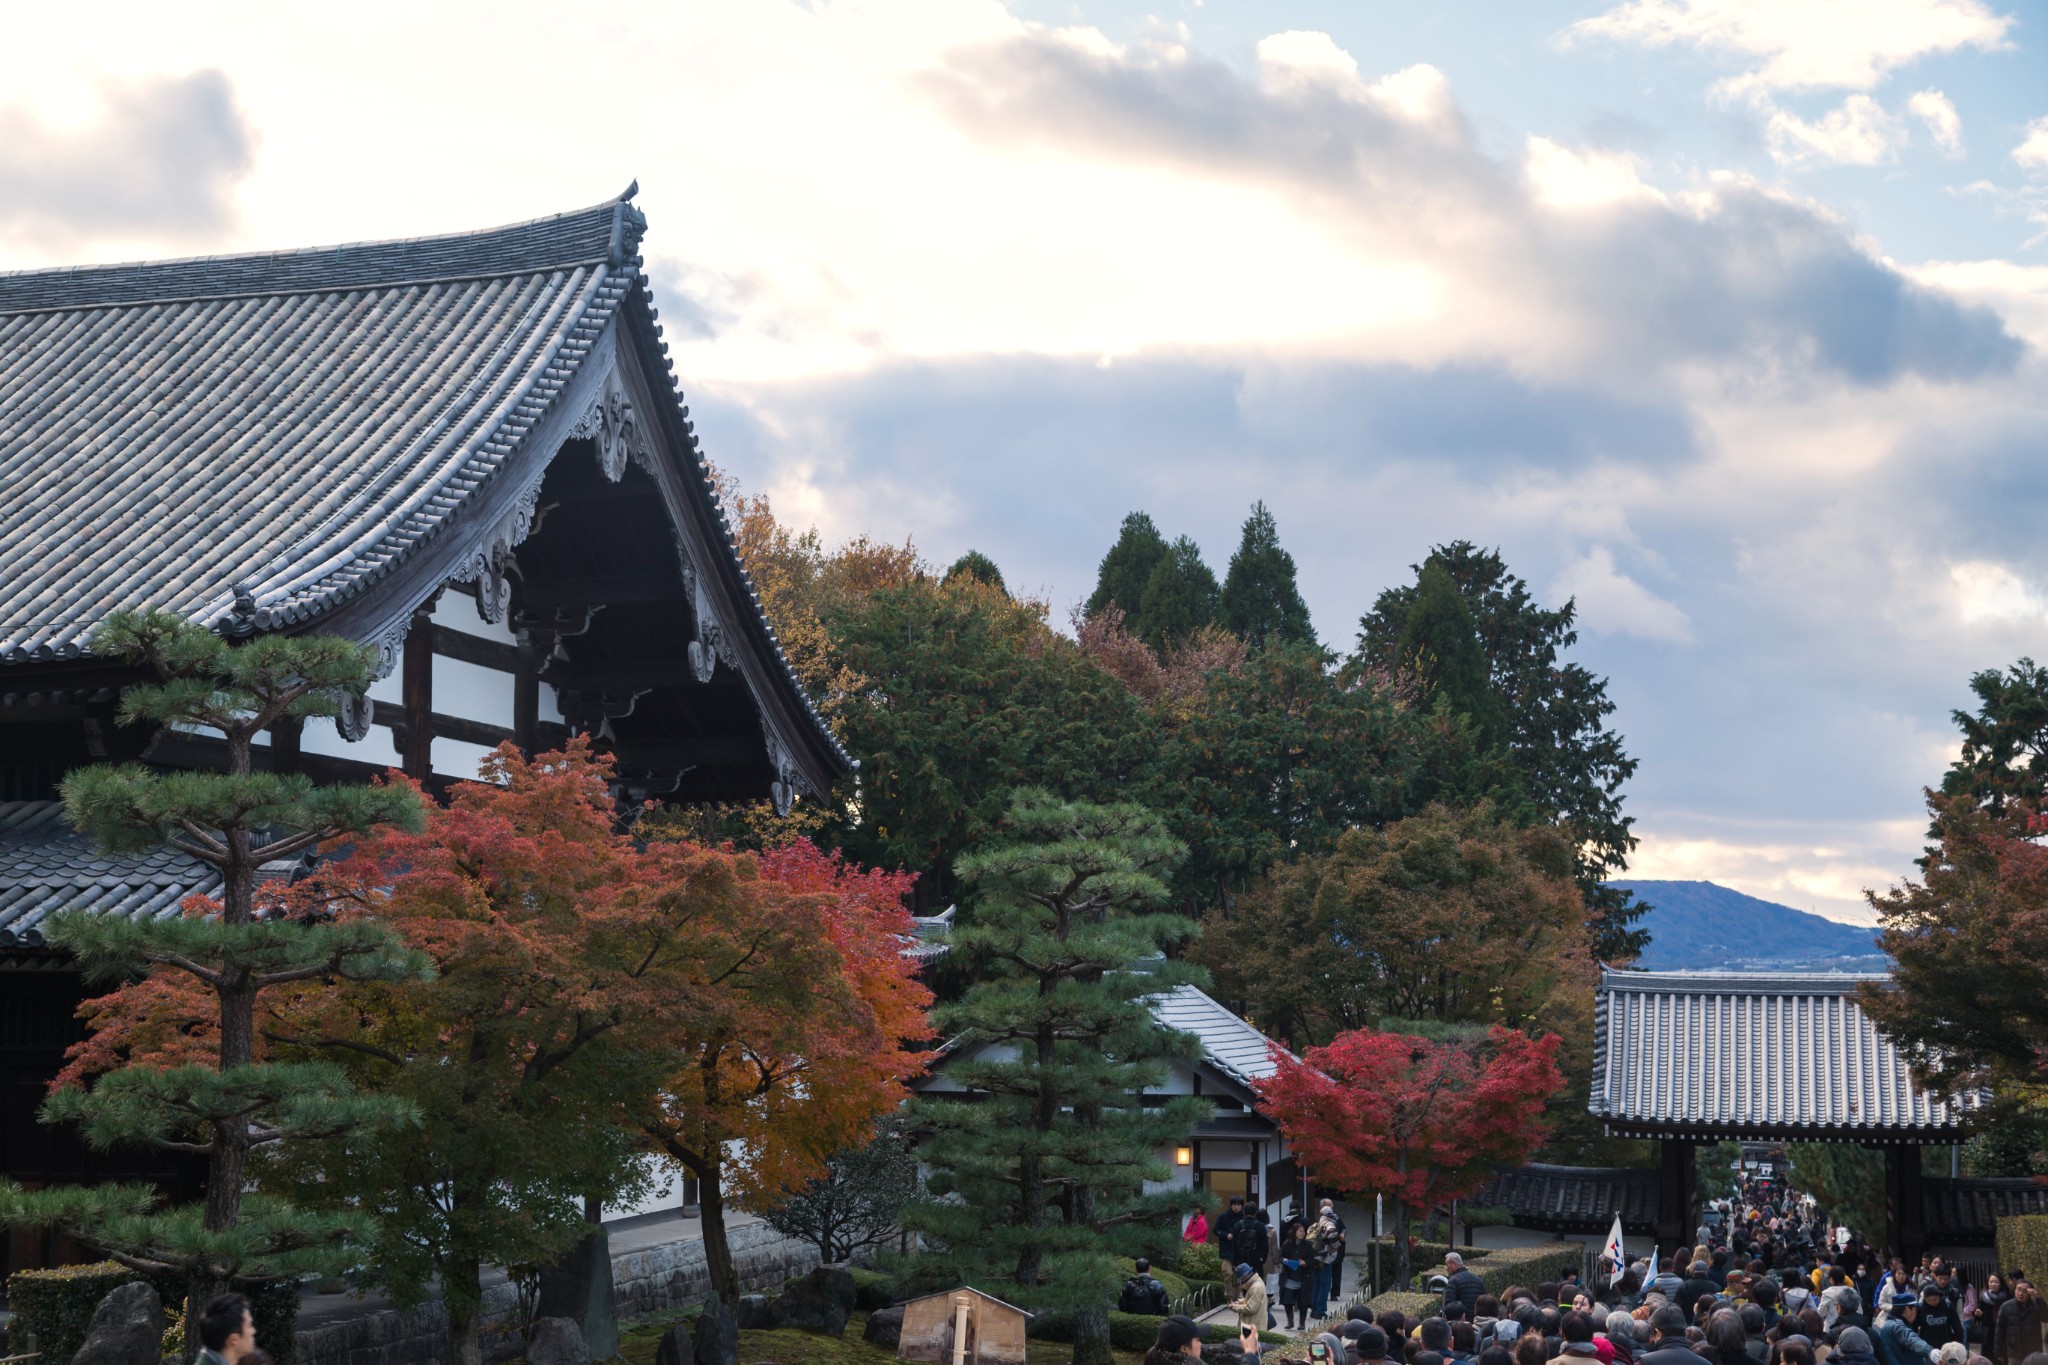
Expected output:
(600, 234)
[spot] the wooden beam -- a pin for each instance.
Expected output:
(286, 743)
(609, 591)
(526, 695)
(444, 727)
(470, 649)
(693, 753)
(629, 676)
(417, 687)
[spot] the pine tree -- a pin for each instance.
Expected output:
(1179, 599)
(1040, 1186)
(237, 820)
(1260, 601)
(1127, 568)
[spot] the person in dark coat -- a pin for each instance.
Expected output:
(1461, 1285)
(1941, 1321)
(1297, 1273)
(2022, 1327)
(1226, 1231)
(1697, 1286)
(1667, 1340)
(1984, 1315)
(1853, 1347)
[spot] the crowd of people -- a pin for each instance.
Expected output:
(1770, 1281)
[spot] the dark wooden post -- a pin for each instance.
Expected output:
(418, 686)
(526, 694)
(1905, 1213)
(1675, 1182)
(287, 736)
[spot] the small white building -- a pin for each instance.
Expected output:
(1238, 1151)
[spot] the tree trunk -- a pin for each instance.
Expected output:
(1402, 1266)
(1031, 1205)
(461, 1305)
(725, 1281)
(1091, 1336)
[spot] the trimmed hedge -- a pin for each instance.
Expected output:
(1134, 1332)
(2023, 1244)
(1200, 1262)
(1415, 1305)
(55, 1307)
(1420, 1253)
(1504, 1266)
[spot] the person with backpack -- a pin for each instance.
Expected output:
(1143, 1294)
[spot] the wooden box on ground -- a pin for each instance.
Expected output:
(995, 1330)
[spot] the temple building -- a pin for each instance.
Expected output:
(469, 452)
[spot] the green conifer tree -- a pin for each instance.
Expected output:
(1180, 597)
(1040, 1186)
(979, 567)
(1440, 641)
(1260, 601)
(237, 820)
(1127, 568)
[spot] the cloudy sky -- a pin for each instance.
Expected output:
(1727, 318)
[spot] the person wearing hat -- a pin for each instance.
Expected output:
(1179, 1340)
(1897, 1341)
(1853, 1347)
(1251, 1302)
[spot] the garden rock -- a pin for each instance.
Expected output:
(717, 1338)
(579, 1288)
(126, 1329)
(676, 1347)
(821, 1301)
(756, 1313)
(557, 1341)
(885, 1328)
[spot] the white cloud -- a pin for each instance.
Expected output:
(1612, 602)
(1938, 112)
(1564, 177)
(1858, 133)
(1991, 592)
(2032, 153)
(1804, 44)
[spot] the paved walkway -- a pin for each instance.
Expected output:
(626, 1235)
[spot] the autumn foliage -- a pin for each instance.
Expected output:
(1417, 1120)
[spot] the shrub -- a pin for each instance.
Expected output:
(2023, 1244)
(1506, 1266)
(1486, 1215)
(1416, 1305)
(55, 1307)
(872, 1290)
(1200, 1262)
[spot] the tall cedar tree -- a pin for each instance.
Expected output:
(1179, 597)
(1571, 766)
(227, 1105)
(966, 695)
(1419, 1121)
(2005, 742)
(1039, 1188)
(795, 1024)
(1127, 568)
(1260, 601)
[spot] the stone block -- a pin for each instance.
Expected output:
(717, 1338)
(579, 1288)
(821, 1301)
(676, 1347)
(127, 1328)
(556, 1341)
(756, 1313)
(885, 1328)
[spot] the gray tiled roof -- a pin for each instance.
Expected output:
(256, 440)
(1711, 1053)
(1230, 1044)
(294, 423)
(1573, 1198)
(45, 866)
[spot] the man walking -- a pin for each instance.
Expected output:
(227, 1331)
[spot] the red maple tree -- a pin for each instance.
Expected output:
(1415, 1120)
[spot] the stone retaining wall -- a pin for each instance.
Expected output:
(651, 1280)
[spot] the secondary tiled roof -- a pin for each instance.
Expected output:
(45, 866)
(1966, 1212)
(1228, 1042)
(1712, 1053)
(1573, 1198)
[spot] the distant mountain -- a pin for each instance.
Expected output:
(1698, 926)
